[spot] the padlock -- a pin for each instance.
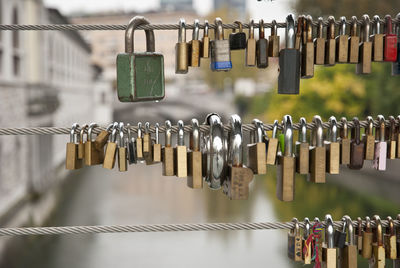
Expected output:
(195, 46)
(380, 145)
(111, 150)
(332, 148)
(392, 138)
(180, 152)
(237, 40)
(262, 47)
(390, 240)
(251, 47)
(328, 248)
(274, 42)
(390, 41)
(344, 143)
(319, 43)
(289, 62)
(354, 41)
(369, 139)
(139, 143)
(302, 149)
(307, 51)
(71, 159)
(81, 145)
(205, 48)
(122, 152)
(215, 151)
(93, 156)
(140, 75)
(157, 145)
(396, 64)
(147, 145)
(256, 157)
(307, 249)
(367, 239)
(195, 172)
(273, 145)
(168, 152)
(299, 32)
(342, 43)
(182, 50)
(132, 156)
(330, 50)
(295, 250)
(359, 235)
(236, 187)
(357, 148)
(340, 235)
(378, 250)
(348, 254)
(377, 39)
(220, 51)
(364, 64)
(317, 152)
(286, 164)
(102, 137)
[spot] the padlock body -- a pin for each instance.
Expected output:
(168, 161)
(81, 150)
(366, 251)
(262, 53)
(354, 49)
(220, 55)
(302, 157)
(195, 172)
(237, 41)
(180, 161)
(139, 149)
(285, 178)
(342, 48)
(157, 153)
(272, 150)
(356, 155)
(273, 46)
(378, 260)
(390, 246)
(391, 152)
(348, 256)
(92, 155)
(339, 239)
(329, 257)
(251, 52)
(257, 160)
(205, 47)
(195, 46)
(377, 47)
(238, 183)
(369, 141)
(181, 58)
(318, 164)
(307, 62)
(101, 140)
(364, 66)
(380, 155)
(132, 156)
(344, 151)
(71, 160)
(289, 71)
(332, 157)
(307, 253)
(390, 51)
(319, 52)
(109, 158)
(295, 250)
(330, 52)
(140, 77)
(122, 161)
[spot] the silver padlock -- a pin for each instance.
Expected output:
(220, 50)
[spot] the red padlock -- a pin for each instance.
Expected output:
(390, 40)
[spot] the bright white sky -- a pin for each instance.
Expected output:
(278, 9)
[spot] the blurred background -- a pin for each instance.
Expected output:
(55, 78)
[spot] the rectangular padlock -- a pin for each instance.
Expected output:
(274, 42)
(195, 46)
(251, 47)
(354, 41)
(342, 43)
(390, 41)
(364, 66)
(319, 43)
(330, 50)
(262, 47)
(168, 152)
(220, 50)
(307, 61)
(377, 39)
(180, 153)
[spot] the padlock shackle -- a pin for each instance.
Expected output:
(121, 136)
(390, 230)
(355, 131)
(342, 27)
(317, 137)
(359, 226)
(251, 29)
(329, 231)
(196, 30)
(378, 230)
(288, 135)
(369, 130)
(303, 130)
(147, 128)
(320, 27)
(157, 134)
(168, 133)
(129, 32)
(72, 135)
(113, 136)
(331, 28)
(180, 137)
(296, 230)
(388, 24)
(240, 25)
(368, 227)
(82, 132)
(275, 129)
(300, 23)
(274, 28)
(235, 150)
(353, 26)
(376, 26)
(139, 131)
(206, 27)
(90, 130)
(182, 31)
(128, 130)
(309, 29)
(332, 130)
(290, 32)
(365, 32)
(381, 123)
(307, 228)
(344, 131)
(258, 133)
(194, 143)
(350, 230)
(261, 29)
(219, 30)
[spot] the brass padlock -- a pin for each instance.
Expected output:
(319, 43)
(71, 160)
(392, 139)
(256, 159)
(307, 50)
(342, 43)
(302, 149)
(348, 254)
(122, 151)
(299, 32)
(344, 143)
(286, 164)
(168, 152)
(102, 137)
(328, 248)
(332, 148)
(367, 238)
(251, 47)
(195, 158)
(377, 39)
(359, 231)
(236, 187)
(378, 250)
(274, 42)
(317, 152)
(81, 145)
(180, 152)
(147, 145)
(369, 139)
(354, 41)
(330, 50)
(157, 145)
(181, 50)
(195, 46)
(390, 240)
(357, 148)
(295, 250)
(140, 76)
(273, 145)
(93, 156)
(364, 65)
(205, 48)
(307, 249)
(215, 152)
(111, 150)
(139, 144)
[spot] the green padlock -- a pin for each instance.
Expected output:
(140, 76)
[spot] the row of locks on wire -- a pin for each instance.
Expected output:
(217, 155)
(340, 247)
(140, 75)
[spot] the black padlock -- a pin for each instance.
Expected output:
(289, 62)
(340, 236)
(237, 40)
(262, 47)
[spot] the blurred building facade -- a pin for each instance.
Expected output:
(236, 8)
(176, 5)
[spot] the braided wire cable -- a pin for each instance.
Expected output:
(187, 128)
(190, 227)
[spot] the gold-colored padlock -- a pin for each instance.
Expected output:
(168, 152)
(273, 145)
(71, 160)
(93, 156)
(317, 152)
(256, 159)
(111, 150)
(332, 148)
(319, 43)
(342, 43)
(195, 46)
(195, 158)
(251, 47)
(378, 250)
